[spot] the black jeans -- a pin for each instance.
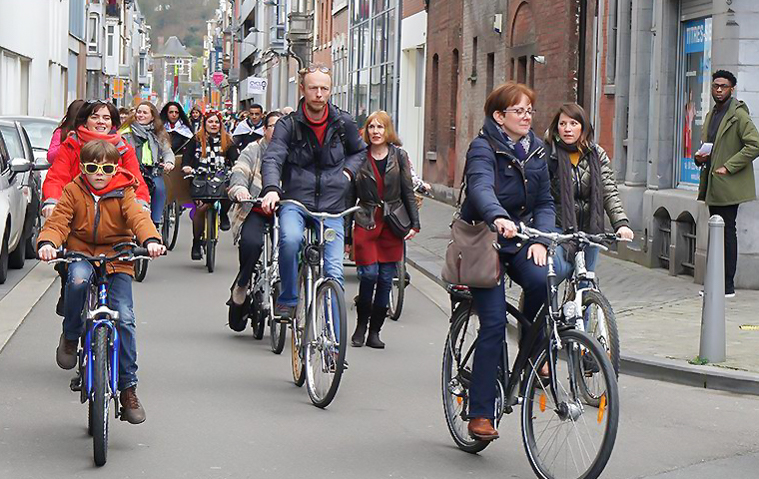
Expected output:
(251, 245)
(729, 214)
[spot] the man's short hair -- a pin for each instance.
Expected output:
(97, 150)
(726, 75)
(256, 105)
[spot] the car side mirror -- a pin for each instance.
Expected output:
(20, 165)
(41, 164)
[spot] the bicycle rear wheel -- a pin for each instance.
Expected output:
(456, 377)
(140, 270)
(277, 330)
(397, 291)
(564, 437)
(170, 230)
(298, 329)
(326, 343)
(257, 317)
(101, 396)
(211, 238)
(601, 324)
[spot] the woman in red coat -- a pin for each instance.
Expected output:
(96, 120)
(383, 185)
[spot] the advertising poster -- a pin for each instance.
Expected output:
(696, 93)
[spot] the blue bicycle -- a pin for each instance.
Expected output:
(98, 359)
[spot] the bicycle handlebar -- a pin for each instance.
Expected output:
(134, 253)
(320, 215)
(526, 233)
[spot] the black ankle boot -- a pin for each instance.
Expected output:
(375, 325)
(196, 252)
(363, 311)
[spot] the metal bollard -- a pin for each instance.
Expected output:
(712, 346)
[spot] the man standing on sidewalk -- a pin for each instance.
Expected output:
(727, 174)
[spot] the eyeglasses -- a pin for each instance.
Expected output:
(314, 69)
(720, 86)
(90, 102)
(95, 168)
(520, 112)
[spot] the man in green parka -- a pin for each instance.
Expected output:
(727, 173)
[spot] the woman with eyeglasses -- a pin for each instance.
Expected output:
(213, 150)
(248, 222)
(65, 127)
(96, 120)
(582, 184)
(507, 183)
(144, 131)
(383, 185)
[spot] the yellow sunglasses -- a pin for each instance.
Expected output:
(94, 168)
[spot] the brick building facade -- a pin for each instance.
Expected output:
(475, 46)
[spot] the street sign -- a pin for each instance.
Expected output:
(257, 86)
(217, 78)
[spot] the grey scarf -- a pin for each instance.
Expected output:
(143, 133)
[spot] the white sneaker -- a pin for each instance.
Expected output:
(727, 295)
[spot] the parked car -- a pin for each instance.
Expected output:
(17, 174)
(40, 131)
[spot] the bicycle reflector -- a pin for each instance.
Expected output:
(330, 235)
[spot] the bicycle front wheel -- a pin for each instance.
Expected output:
(397, 291)
(326, 343)
(298, 330)
(140, 270)
(601, 324)
(277, 330)
(564, 436)
(101, 396)
(171, 224)
(458, 359)
(211, 236)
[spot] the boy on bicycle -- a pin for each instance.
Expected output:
(98, 210)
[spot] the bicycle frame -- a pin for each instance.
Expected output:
(269, 261)
(101, 317)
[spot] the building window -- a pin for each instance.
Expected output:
(490, 74)
(419, 80)
(373, 31)
(93, 34)
(434, 101)
(693, 96)
(474, 58)
(110, 40)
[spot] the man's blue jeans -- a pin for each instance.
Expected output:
(80, 275)
(292, 224)
(157, 199)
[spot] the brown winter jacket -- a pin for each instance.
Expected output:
(94, 229)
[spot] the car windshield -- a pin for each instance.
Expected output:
(40, 132)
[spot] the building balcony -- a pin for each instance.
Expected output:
(113, 9)
(250, 45)
(246, 9)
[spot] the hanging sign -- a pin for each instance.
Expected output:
(257, 86)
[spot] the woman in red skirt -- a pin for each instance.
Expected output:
(384, 187)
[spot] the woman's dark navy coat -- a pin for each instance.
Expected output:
(500, 186)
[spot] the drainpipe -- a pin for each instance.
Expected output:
(581, 53)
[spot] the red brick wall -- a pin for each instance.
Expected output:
(444, 23)
(412, 7)
(323, 19)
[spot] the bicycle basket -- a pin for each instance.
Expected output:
(209, 188)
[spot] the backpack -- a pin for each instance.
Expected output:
(297, 137)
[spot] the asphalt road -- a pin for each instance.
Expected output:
(221, 405)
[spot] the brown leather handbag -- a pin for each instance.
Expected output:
(472, 255)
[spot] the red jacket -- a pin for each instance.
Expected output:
(66, 167)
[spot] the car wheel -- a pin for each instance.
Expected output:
(18, 256)
(4, 258)
(31, 241)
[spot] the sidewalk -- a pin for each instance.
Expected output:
(658, 316)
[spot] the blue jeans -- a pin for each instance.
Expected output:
(80, 275)
(157, 199)
(490, 305)
(292, 224)
(564, 268)
(379, 275)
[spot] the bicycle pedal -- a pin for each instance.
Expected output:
(76, 384)
(281, 320)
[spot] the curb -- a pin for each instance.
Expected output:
(18, 303)
(661, 369)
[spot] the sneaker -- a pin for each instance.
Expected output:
(131, 409)
(65, 354)
(196, 253)
(224, 223)
(728, 293)
(284, 314)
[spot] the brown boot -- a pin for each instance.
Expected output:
(131, 409)
(481, 428)
(65, 354)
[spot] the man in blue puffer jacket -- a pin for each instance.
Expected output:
(313, 157)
